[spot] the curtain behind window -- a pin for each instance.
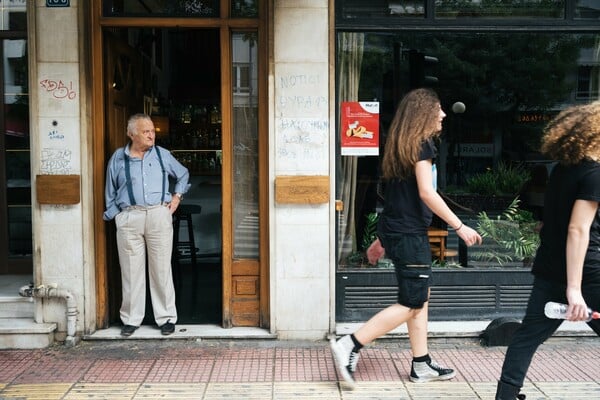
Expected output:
(350, 54)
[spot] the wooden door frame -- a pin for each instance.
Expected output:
(226, 26)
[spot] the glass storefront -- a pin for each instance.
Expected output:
(498, 88)
(529, 10)
(501, 74)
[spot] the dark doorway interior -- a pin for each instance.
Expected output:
(181, 88)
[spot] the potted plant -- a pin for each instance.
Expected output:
(511, 237)
(493, 189)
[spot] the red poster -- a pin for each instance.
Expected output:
(360, 128)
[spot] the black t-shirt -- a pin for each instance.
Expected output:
(404, 211)
(566, 185)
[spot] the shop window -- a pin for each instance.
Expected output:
(363, 11)
(15, 171)
(244, 8)
(159, 8)
(587, 9)
(500, 9)
(587, 82)
(13, 15)
(358, 9)
(511, 84)
(406, 8)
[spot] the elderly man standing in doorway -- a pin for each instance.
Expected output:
(138, 198)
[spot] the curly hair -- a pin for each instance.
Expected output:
(574, 134)
(414, 122)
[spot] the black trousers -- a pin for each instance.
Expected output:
(536, 327)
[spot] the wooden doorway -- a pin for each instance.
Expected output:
(244, 278)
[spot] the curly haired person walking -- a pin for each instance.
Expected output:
(566, 268)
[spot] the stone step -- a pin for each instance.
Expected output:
(16, 307)
(25, 333)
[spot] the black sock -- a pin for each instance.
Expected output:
(424, 358)
(357, 344)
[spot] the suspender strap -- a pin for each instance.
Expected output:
(162, 166)
(128, 177)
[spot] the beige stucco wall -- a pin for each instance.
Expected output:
(59, 145)
(300, 145)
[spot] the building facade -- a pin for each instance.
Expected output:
(247, 95)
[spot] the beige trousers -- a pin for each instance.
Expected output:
(140, 232)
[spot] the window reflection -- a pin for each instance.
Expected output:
(500, 9)
(244, 8)
(587, 9)
(245, 145)
(171, 8)
(15, 148)
(13, 15)
(480, 9)
(512, 84)
(406, 8)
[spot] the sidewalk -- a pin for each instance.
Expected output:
(564, 368)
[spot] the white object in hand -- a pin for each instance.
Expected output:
(559, 311)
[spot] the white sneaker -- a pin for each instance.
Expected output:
(428, 371)
(342, 355)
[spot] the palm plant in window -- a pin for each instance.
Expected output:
(510, 237)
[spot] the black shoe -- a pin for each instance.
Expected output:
(506, 391)
(167, 328)
(127, 330)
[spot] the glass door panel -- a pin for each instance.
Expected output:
(244, 119)
(16, 198)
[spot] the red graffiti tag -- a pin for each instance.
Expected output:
(58, 89)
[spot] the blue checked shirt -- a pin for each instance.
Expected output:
(146, 179)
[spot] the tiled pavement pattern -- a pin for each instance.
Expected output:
(564, 368)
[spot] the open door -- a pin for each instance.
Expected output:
(123, 94)
(213, 101)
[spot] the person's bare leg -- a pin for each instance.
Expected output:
(383, 322)
(423, 368)
(417, 331)
(344, 350)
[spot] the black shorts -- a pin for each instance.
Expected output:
(411, 255)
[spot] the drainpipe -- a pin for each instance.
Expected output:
(51, 291)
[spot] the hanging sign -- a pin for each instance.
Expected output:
(360, 128)
(58, 3)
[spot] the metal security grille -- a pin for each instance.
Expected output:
(362, 294)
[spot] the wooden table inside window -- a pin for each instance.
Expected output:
(437, 240)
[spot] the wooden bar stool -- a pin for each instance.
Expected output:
(184, 213)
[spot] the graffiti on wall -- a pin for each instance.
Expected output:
(302, 120)
(56, 161)
(58, 89)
